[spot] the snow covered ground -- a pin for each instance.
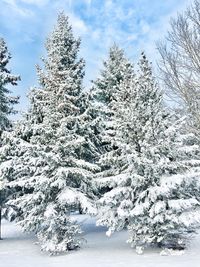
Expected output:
(18, 250)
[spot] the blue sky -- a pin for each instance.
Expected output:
(134, 24)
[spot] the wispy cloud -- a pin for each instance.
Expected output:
(14, 8)
(39, 3)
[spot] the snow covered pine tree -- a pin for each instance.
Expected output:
(157, 197)
(117, 68)
(6, 106)
(50, 150)
(6, 78)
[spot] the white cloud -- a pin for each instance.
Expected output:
(78, 24)
(16, 9)
(96, 35)
(132, 37)
(144, 26)
(36, 2)
(88, 2)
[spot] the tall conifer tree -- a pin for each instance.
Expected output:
(116, 68)
(157, 195)
(6, 78)
(6, 105)
(52, 148)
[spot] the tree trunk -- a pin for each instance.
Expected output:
(80, 209)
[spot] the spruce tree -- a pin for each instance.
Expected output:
(157, 195)
(6, 105)
(116, 69)
(52, 150)
(6, 79)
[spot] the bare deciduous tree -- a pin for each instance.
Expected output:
(180, 61)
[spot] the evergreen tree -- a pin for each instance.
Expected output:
(157, 195)
(6, 105)
(52, 149)
(117, 68)
(6, 79)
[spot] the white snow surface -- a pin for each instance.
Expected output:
(17, 249)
